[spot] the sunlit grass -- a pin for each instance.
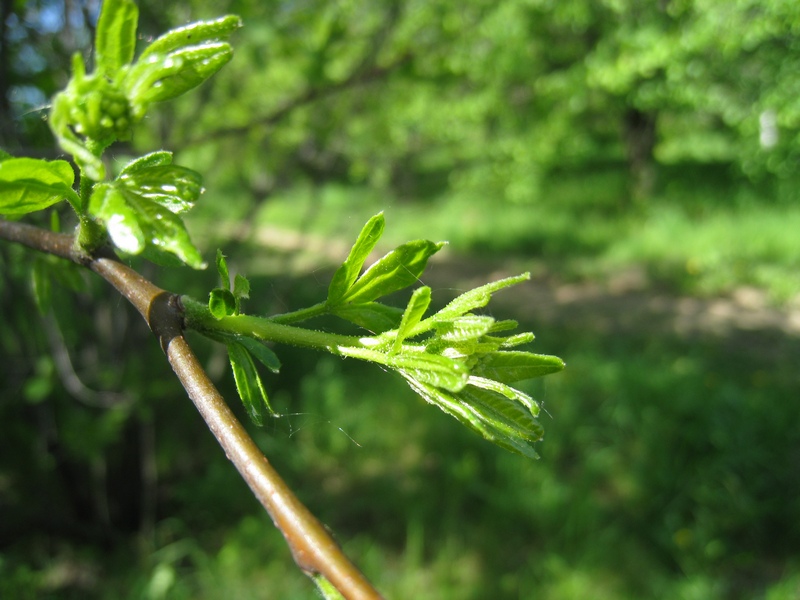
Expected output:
(697, 240)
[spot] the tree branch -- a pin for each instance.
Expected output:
(313, 549)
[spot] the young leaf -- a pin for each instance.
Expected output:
(417, 305)
(516, 340)
(30, 184)
(507, 418)
(222, 269)
(346, 274)
(504, 325)
(122, 221)
(476, 298)
(508, 367)
(395, 271)
(221, 303)
(180, 71)
(248, 382)
(192, 35)
(372, 316)
(173, 187)
(261, 352)
(431, 369)
(115, 39)
(133, 220)
(241, 287)
(154, 159)
(507, 391)
(142, 205)
(513, 430)
(464, 328)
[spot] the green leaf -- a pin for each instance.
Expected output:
(222, 269)
(173, 187)
(504, 325)
(221, 303)
(192, 35)
(4, 155)
(516, 340)
(499, 423)
(507, 391)
(30, 184)
(508, 420)
(431, 369)
(115, 39)
(465, 328)
(347, 274)
(241, 287)
(372, 316)
(509, 367)
(476, 298)
(160, 158)
(248, 383)
(395, 271)
(122, 220)
(161, 78)
(261, 352)
(417, 305)
(134, 220)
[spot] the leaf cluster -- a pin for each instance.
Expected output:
(456, 359)
(140, 210)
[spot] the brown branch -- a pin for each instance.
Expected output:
(313, 549)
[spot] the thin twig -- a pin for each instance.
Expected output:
(313, 548)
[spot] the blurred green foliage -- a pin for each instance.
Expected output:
(597, 135)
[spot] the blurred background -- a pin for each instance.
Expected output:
(639, 158)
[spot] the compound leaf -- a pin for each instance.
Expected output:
(397, 270)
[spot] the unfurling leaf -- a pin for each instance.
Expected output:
(141, 207)
(248, 383)
(173, 187)
(221, 303)
(241, 287)
(417, 305)
(395, 271)
(497, 419)
(193, 34)
(222, 269)
(465, 328)
(115, 39)
(347, 274)
(178, 61)
(261, 352)
(477, 298)
(508, 367)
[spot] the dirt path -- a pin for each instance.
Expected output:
(625, 303)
